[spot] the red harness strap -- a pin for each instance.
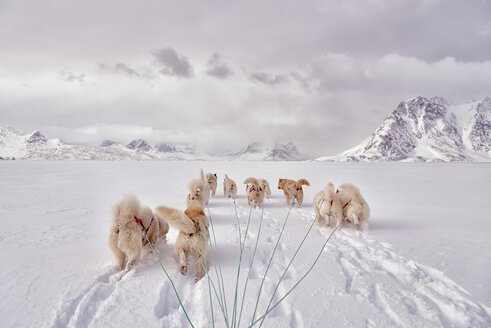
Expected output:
(141, 223)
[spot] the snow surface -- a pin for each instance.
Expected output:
(423, 262)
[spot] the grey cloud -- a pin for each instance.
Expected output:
(173, 63)
(119, 68)
(70, 76)
(217, 68)
(269, 79)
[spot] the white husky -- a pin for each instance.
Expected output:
(327, 205)
(356, 211)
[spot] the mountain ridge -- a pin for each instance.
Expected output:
(422, 129)
(35, 146)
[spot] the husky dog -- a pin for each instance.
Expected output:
(193, 235)
(229, 187)
(255, 193)
(356, 209)
(327, 205)
(199, 192)
(293, 190)
(194, 200)
(206, 188)
(263, 183)
(211, 178)
(125, 236)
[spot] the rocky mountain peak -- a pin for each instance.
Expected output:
(139, 145)
(283, 151)
(36, 138)
(428, 129)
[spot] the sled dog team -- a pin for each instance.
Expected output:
(131, 219)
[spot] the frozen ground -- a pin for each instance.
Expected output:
(423, 262)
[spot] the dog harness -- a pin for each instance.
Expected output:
(141, 223)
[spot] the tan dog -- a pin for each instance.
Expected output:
(293, 190)
(206, 188)
(229, 187)
(263, 183)
(194, 200)
(199, 192)
(327, 205)
(193, 235)
(255, 194)
(212, 182)
(125, 236)
(356, 209)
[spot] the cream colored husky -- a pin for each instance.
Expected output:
(263, 183)
(199, 192)
(126, 238)
(193, 235)
(293, 190)
(229, 187)
(356, 210)
(211, 178)
(255, 194)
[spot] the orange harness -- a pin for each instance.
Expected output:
(141, 223)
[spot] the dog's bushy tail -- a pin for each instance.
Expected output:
(353, 191)
(253, 181)
(329, 191)
(176, 218)
(265, 184)
(127, 207)
(163, 225)
(301, 182)
(357, 197)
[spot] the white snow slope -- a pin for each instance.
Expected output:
(423, 262)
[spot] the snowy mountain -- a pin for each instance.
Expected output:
(35, 146)
(422, 129)
(16, 145)
(277, 152)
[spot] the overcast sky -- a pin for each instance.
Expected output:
(222, 74)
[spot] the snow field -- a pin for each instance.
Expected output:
(57, 269)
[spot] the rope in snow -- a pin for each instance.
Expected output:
(221, 284)
(269, 264)
(300, 280)
(205, 267)
(168, 277)
(291, 260)
(250, 265)
(242, 244)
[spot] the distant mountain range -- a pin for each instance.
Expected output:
(419, 129)
(422, 129)
(35, 146)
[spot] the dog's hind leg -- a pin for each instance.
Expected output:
(120, 257)
(201, 265)
(131, 245)
(183, 257)
(356, 222)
